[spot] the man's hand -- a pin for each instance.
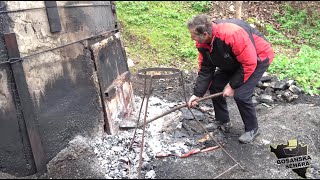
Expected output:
(228, 91)
(193, 101)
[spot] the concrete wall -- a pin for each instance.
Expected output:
(33, 36)
(61, 75)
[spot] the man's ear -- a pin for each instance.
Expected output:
(206, 34)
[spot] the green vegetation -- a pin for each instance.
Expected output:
(304, 68)
(302, 27)
(155, 34)
(300, 33)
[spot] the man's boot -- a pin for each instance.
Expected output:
(249, 136)
(225, 127)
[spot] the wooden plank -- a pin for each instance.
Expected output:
(26, 103)
(53, 16)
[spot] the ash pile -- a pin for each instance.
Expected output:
(177, 134)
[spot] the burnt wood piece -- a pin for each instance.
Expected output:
(53, 16)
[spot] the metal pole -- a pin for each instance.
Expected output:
(182, 106)
(144, 128)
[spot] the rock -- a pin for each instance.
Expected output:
(130, 62)
(272, 84)
(315, 166)
(260, 84)
(231, 8)
(265, 98)
(254, 100)
(147, 166)
(124, 159)
(179, 134)
(211, 127)
(280, 86)
(150, 174)
(269, 90)
(257, 91)
(288, 96)
(265, 78)
(186, 114)
(188, 129)
(265, 85)
(294, 89)
(117, 148)
(290, 83)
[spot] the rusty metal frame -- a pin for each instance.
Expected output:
(142, 73)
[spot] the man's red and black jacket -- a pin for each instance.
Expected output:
(236, 48)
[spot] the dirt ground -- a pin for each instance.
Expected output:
(278, 122)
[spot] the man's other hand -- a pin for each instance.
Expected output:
(228, 91)
(193, 101)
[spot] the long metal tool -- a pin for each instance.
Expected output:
(217, 94)
(221, 93)
(144, 128)
(181, 106)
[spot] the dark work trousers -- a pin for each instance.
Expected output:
(242, 96)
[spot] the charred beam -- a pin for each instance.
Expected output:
(53, 16)
(26, 103)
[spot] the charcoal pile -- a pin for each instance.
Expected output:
(271, 90)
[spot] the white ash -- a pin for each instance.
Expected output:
(112, 151)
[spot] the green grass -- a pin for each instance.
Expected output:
(155, 35)
(304, 68)
(303, 37)
(303, 27)
(160, 32)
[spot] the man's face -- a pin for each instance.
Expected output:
(201, 38)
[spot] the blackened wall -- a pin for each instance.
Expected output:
(61, 77)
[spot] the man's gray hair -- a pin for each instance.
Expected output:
(201, 23)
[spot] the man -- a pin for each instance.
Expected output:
(232, 58)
